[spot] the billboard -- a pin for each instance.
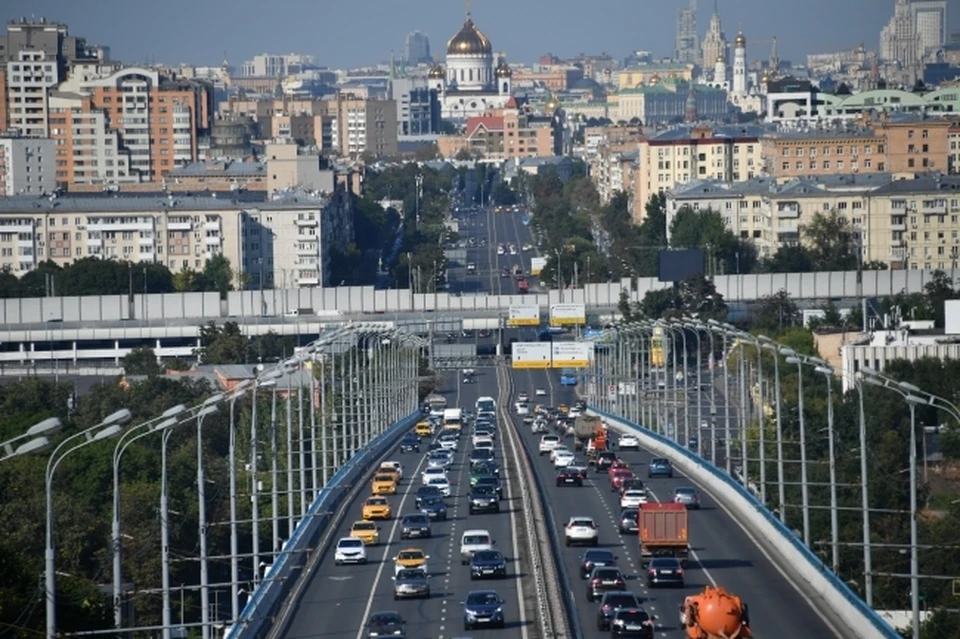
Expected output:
(571, 354)
(568, 314)
(531, 354)
(658, 348)
(524, 315)
(676, 265)
(536, 265)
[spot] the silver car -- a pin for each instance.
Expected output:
(410, 583)
(688, 496)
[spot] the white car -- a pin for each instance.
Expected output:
(563, 458)
(540, 392)
(633, 499)
(574, 412)
(559, 448)
(432, 473)
(582, 530)
(484, 443)
(501, 250)
(481, 437)
(437, 461)
(548, 443)
(350, 550)
(442, 483)
(448, 444)
(393, 465)
(523, 409)
(523, 397)
(472, 541)
(629, 442)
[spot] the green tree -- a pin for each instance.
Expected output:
(141, 361)
(9, 284)
(938, 290)
(270, 347)
(222, 344)
(776, 312)
(788, 259)
(218, 275)
(707, 230)
(830, 238)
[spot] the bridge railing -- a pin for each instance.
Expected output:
(789, 551)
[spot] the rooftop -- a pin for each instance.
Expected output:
(122, 203)
(685, 132)
(799, 187)
(925, 183)
(220, 168)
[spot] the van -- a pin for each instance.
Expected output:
(473, 541)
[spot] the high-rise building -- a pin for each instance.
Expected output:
(417, 48)
(366, 127)
(930, 19)
(688, 42)
(740, 65)
(267, 65)
(714, 43)
(899, 41)
(26, 165)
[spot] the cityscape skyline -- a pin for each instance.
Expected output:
(855, 21)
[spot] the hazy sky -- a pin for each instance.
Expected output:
(362, 32)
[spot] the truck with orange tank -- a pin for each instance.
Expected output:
(663, 531)
(586, 428)
(715, 614)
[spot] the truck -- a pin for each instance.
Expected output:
(663, 532)
(523, 287)
(715, 614)
(585, 428)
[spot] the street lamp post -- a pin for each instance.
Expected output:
(33, 435)
(865, 501)
(238, 391)
(804, 487)
(213, 400)
(827, 372)
(781, 485)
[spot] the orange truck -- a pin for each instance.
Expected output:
(663, 531)
(587, 428)
(715, 614)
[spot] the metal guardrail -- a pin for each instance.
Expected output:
(259, 614)
(693, 464)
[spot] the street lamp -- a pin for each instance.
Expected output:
(238, 391)
(719, 328)
(211, 401)
(36, 436)
(804, 488)
(778, 351)
(827, 372)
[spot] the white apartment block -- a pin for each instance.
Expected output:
(29, 78)
(277, 66)
(27, 165)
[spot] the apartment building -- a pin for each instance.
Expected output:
(504, 134)
(953, 159)
(289, 166)
(285, 241)
(682, 154)
(553, 77)
(366, 127)
(26, 165)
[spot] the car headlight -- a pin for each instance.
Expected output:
(498, 611)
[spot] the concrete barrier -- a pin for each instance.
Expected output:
(790, 552)
(258, 615)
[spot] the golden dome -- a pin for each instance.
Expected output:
(741, 41)
(654, 79)
(503, 70)
(721, 60)
(436, 72)
(469, 40)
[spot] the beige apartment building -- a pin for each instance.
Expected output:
(953, 160)
(281, 242)
(503, 134)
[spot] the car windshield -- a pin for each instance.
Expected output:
(364, 525)
(482, 490)
(582, 522)
(633, 616)
(482, 599)
(351, 543)
(386, 619)
(598, 555)
(629, 513)
(377, 501)
(383, 478)
(487, 481)
(634, 493)
(432, 501)
(428, 490)
(606, 573)
(659, 462)
(438, 481)
(414, 519)
(411, 574)
(665, 562)
(410, 555)
(685, 491)
(620, 599)
(488, 555)
(476, 539)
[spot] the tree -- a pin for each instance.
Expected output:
(426, 152)
(222, 344)
(776, 312)
(141, 361)
(788, 259)
(657, 303)
(270, 347)
(830, 238)
(708, 230)
(504, 195)
(218, 275)
(938, 290)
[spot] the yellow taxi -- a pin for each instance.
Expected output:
(563, 408)
(393, 467)
(410, 558)
(384, 484)
(376, 508)
(423, 429)
(368, 531)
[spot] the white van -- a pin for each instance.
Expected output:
(473, 541)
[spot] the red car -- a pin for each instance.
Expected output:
(618, 476)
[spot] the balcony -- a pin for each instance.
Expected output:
(180, 226)
(307, 222)
(308, 249)
(895, 226)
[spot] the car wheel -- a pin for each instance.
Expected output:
(568, 541)
(589, 596)
(396, 597)
(336, 562)
(473, 577)
(426, 595)
(596, 540)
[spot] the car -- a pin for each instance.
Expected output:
(581, 530)
(522, 408)
(629, 521)
(481, 435)
(350, 550)
(659, 467)
(384, 484)
(603, 579)
(580, 465)
(411, 583)
(423, 429)
(688, 496)
(618, 476)
(632, 623)
(492, 482)
(631, 484)
(484, 334)
(557, 449)
(472, 541)
(484, 444)
(483, 608)
(523, 397)
(488, 563)
(411, 558)
(448, 442)
(483, 499)
(386, 624)
(562, 458)
(595, 559)
(417, 525)
(664, 571)
(628, 442)
(693, 444)
(432, 473)
(548, 443)
(563, 409)
(540, 392)
(376, 508)
(480, 456)
(442, 483)
(611, 602)
(394, 467)
(568, 476)
(410, 443)
(368, 531)
(469, 379)
(633, 499)
(433, 507)
(604, 460)
(426, 492)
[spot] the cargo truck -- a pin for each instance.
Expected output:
(715, 614)
(663, 532)
(585, 428)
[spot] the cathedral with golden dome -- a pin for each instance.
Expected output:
(470, 84)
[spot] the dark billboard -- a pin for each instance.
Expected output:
(680, 264)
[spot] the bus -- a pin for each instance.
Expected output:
(568, 377)
(452, 419)
(436, 404)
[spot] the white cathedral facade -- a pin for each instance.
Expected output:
(471, 84)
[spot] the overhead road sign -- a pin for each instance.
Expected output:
(571, 354)
(531, 354)
(568, 314)
(524, 315)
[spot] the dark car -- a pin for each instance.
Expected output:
(660, 467)
(604, 579)
(604, 460)
(411, 583)
(596, 559)
(426, 491)
(410, 444)
(634, 623)
(694, 444)
(488, 563)
(491, 481)
(485, 468)
(631, 484)
(628, 521)
(415, 526)
(385, 624)
(434, 508)
(480, 456)
(483, 334)
(483, 608)
(664, 571)
(569, 477)
(484, 499)
(611, 602)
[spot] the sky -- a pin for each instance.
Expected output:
(363, 32)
